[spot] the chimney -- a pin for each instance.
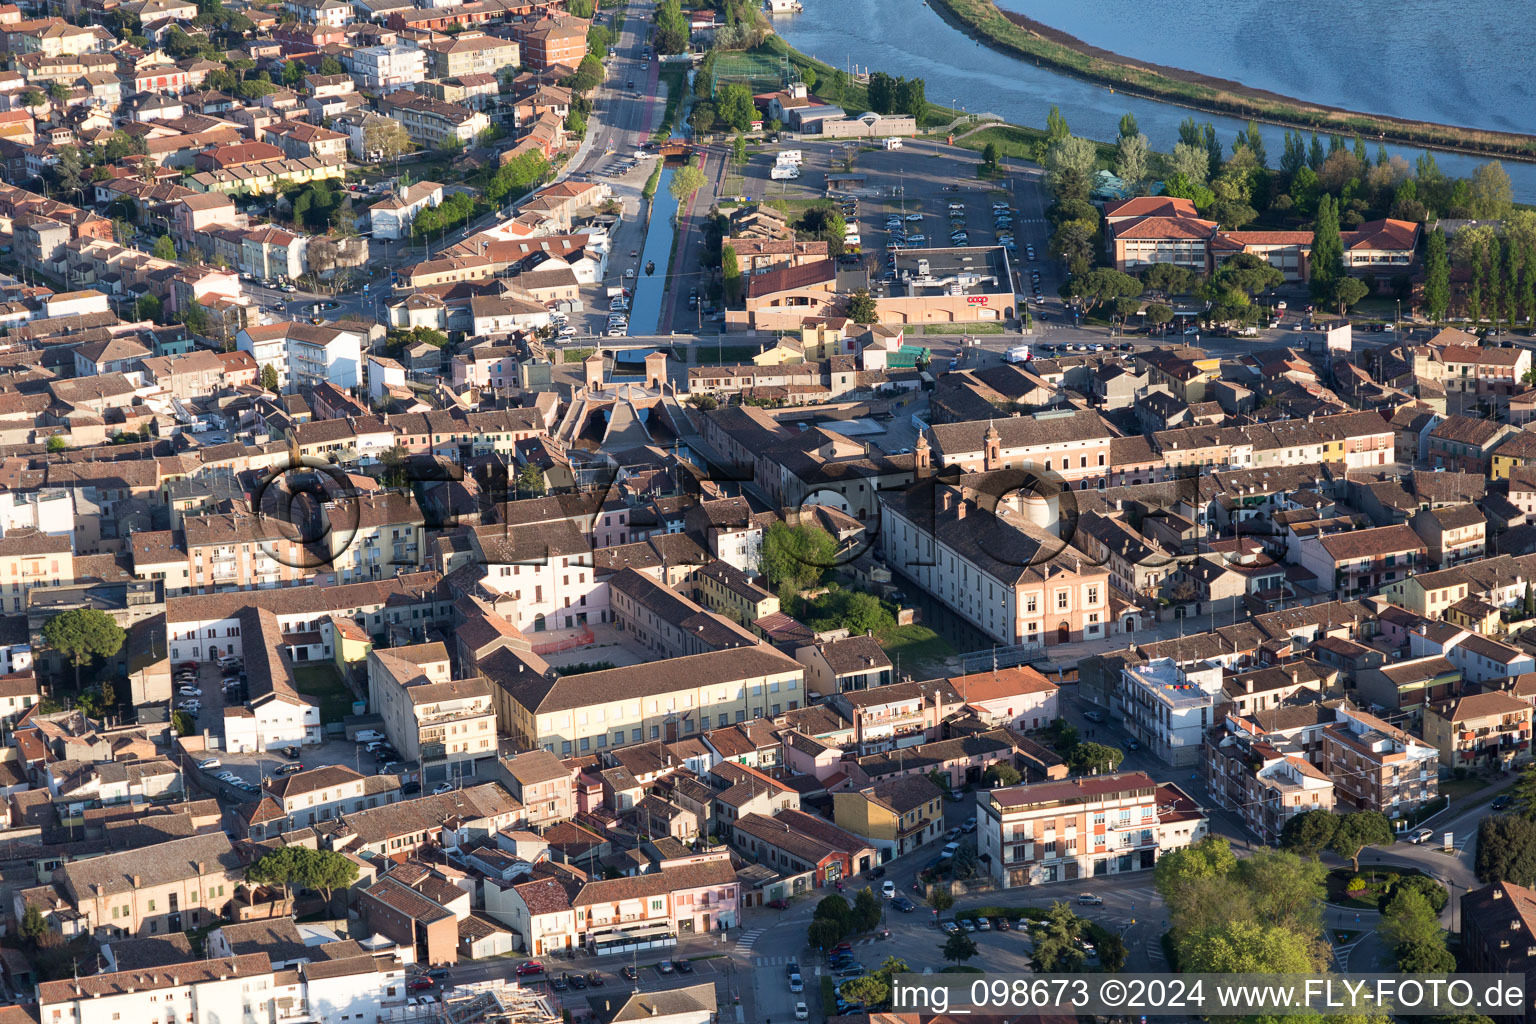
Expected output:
(135, 879)
(960, 509)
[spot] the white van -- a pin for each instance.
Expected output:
(1017, 354)
(791, 156)
(893, 143)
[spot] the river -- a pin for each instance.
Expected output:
(907, 37)
(660, 234)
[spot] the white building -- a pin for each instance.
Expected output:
(392, 217)
(50, 511)
(1169, 708)
(383, 68)
(1076, 829)
(383, 374)
(306, 354)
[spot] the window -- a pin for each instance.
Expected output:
(1061, 600)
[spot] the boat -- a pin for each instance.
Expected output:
(650, 267)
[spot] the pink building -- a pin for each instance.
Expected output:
(680, 899)
(1019, 698)
(486, 366)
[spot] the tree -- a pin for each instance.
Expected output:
(1491, 197)
(385, 139)
(1284, 889)
(1358, 830)
(866, 910)
(1055, 939)
(1094, 758)
(1310, 832)
(1431, 890)
(1073, 244)
(1069, 167)
(1193, 162)
(989, 157)
(1158, 314)
(148, 307)
(33, 924)
(1249, 274)
(164, 248)
(1410, 920)
(911, 98)
(323, 871)
(56, 443)
(824, 933)
(941, 899)
(196, 318)
(1128, 126)
(331, 66)
(1000, 774)
(1506, 850)
(730, 273)
(671, 28)
(739, 148)
(530, 481)
(959, 948)
(1437, 276)
(269, 380)
(733, 105)
(82, 635)
(869, 989)
(1347, 291)
(1250, 139)
(182, 723)
(796, 557)
(1131, 159)
(1327, 250)
(32, 98)
(1243, 947)
(686, 180)
(1168, 278)
(278, 868)
(861, 307)
(1104, 285)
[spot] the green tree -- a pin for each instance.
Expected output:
(686, 180)
(278, 868)
(1104, 286)
(1168, 278)
(182, 723)
(1128, 125)
(1055, 939)
(739, 148)
(323, 871)
(866, 910)
(912, 98)
(33, 98)
(733, 105)
(1358, 830)
(1347, 291)
(671, 34)
(1284, 889)
(1437, 276)
(795, 558)
(164, 248)
(148, 307)
(1506, 850)
(869, 989)
(1157, 314)
(1310, 832)
(959, 948)
(989, 158)
(196, 318)
(941, 899)
(1327, 250)
(1073, 244)
(1131, 153)
(57, 443)
(1409, 919)
(825, 932)
(530, 481)
(82, 635)
(1095, 759)
(331, 66)
(730, 273)
(862, 308)
(1000, 774)
(1193, 162)
(269, 379)
(1246, 947)
(33, 925)
(1491, 196)
(1069, 168)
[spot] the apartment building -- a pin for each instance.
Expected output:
(665, 622)
(1072, 445)
(1018, 698)
(1376, 766)
(469, 53)
(1002, 572)
(373, 536)
(240, 551)
(1497, 922)
(320, 794)
(1480, 730)
(543, 784)
(686, 899)
(837, 666)
(896, 816)
(155, 890)
(547, 571)
(896, 715)
(430, 717)
(551, 42)
(386, 68)
(585, 713)
(1353, 562)
(1169, 707)
(1259, 783)
(794, 842)
(1082, 828)
(392, 216)
(431, 122)
(1452, 534)
(31, 559)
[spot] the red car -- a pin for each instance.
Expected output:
(842, 946)
(779, 904)
(188, 665)
(419, 984)
(529, 967)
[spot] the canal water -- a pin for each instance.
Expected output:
(660, 233)
(907, 37)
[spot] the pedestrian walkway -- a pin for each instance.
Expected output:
(745, 939)
(771, 961)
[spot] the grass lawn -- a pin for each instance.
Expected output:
(983, 327)
(1377, 878)
(917, 650)
(1460, 789)
(324, 682)
(1017, 142)
(577, 355)
(732, 353)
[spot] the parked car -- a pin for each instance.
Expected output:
(665, 967)
(211, 762)
(796, 983)
(778, 904)
(441, 788)
(438, 974)
(628, 973)
(288, 769)
(684, 966)
(968, 924)
(560, 984)
(948, 927)
(1094, 716)
(1001, 924)
(983, 925)
(970, 824)
(1424, 835)
(850, 970)
(528, 967)
(419, 984)
(1500, 802)
(578, 981)
(594, 979)
(801, 1013)
(903, 904)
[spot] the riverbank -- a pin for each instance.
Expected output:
(1022, 37)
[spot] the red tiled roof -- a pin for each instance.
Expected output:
(1165, 227)
(1382, 234)
(1151, 206)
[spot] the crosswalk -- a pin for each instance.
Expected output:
(771, 961)
(745, 939)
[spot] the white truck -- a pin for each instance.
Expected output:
(791, 156)
(784, 172)
(893, 143)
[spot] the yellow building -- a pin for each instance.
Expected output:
(352, 643)
(1515, 450)
(1490, 729)
(895, 816)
